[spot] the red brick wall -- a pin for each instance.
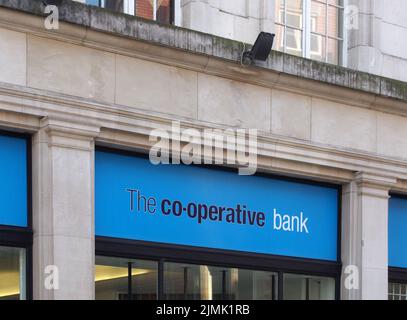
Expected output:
(144, 9)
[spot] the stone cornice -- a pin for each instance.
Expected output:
(116, 32)
(87, 117)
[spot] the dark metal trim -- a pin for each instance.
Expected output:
(15, 237)
(129, 281)
(280, 286)
(197, 255)
(172, 11)
(160, 284)
(397, 275)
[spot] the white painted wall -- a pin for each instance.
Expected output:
(240, 20)
(376, 46)
(379, 45)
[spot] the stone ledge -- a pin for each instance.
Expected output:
(200, 43)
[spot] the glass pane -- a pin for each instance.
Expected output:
(321, 289)
(114, 5)
(12, 273)
(195, 282)
(302, 287)
(334, 51)
(279, 7)
(318, 47)
(318, 17)
(279, 40)
(397, 291)
(294, 13)
(336, 2)
(293, 42)
(294, 287)
(164, 11)
(335, 18)
(112, 279)
(397, 288)
(144, 9)
(93, 2)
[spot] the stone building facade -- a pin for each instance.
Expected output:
(106, 80)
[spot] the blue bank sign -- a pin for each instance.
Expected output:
(204, 207)
(13, 181)
(398, 232)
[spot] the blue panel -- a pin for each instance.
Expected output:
(13, 181)
(311, 210)
(93, 2)
(398, 232)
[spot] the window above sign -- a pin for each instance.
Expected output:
(311, 29)
(158, 10)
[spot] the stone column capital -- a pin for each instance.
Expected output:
(375, 185)
(60, 126)
(70, 134)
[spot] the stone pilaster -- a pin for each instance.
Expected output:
(365, 237)
(63, 219)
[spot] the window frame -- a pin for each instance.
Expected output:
(163, 252)
(397, 276)
(22, 237)
(129, 8)
(307, 33)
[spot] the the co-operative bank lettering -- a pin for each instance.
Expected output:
(212, 208)
(204, 213)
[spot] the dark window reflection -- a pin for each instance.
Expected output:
(303, 287)
(115, 5)
(164, 11)
(112, 279)
(195, 282)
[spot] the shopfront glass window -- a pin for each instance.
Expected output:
(397, 291)
(125, 279)
(135, 279)
(199, 282)
(12, 274)
(302, 287)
